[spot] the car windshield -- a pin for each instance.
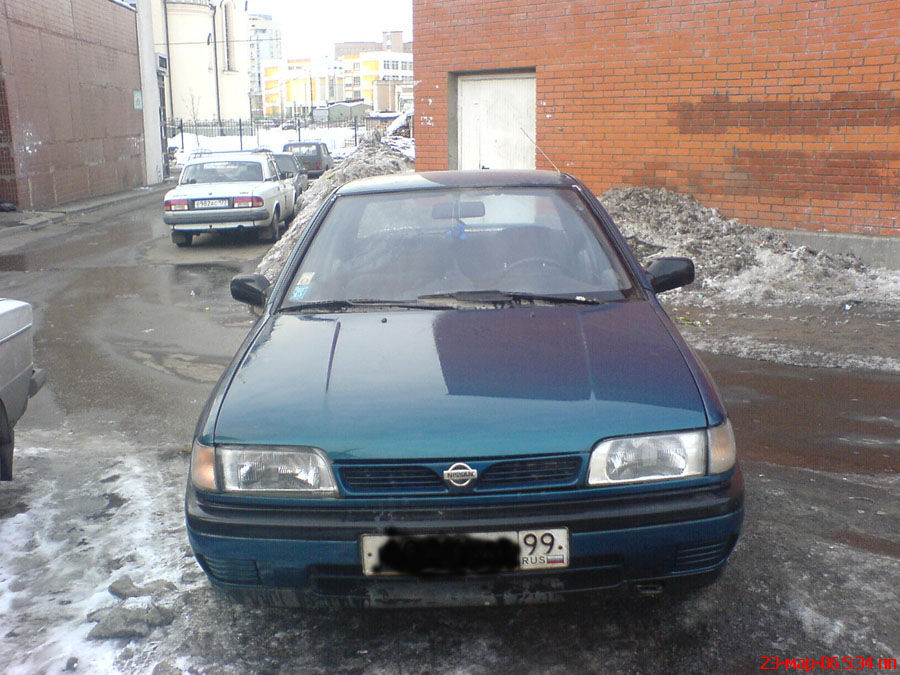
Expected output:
(404, 245)
(306, 150)
(218, 171)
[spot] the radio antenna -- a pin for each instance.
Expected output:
(534, 143)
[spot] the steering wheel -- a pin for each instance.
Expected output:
(536, 260)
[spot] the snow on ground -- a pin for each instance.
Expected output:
(56, 568)
(340, 140)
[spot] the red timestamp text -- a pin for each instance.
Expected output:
(829, 663)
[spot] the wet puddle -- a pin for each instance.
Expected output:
(824, 419)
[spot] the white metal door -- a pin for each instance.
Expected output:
(496, 121)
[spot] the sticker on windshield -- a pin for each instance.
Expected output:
(306, 278)
(299, 292)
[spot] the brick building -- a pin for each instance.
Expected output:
(70, 126)
(783, 113)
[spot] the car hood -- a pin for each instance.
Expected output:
(203, 190)
(462, 383)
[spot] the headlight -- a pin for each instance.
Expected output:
(295, 470)
(663, 456)
(288, 470)
(648, 458)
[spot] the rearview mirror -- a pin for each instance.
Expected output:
(250, 288)
(668, 273)
(456, 210)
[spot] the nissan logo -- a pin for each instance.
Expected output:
(460, 475)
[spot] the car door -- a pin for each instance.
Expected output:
(284, 188)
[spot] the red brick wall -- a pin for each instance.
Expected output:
(780, 113)
(69, 68)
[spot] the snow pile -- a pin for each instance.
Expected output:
(737, 262)
(371, 158)
(400, 122)
(402, 144)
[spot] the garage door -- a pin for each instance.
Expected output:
(496, 121)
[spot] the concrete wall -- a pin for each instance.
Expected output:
(782, 113)
(69, 70)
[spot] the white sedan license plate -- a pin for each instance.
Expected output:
(524, 550)
(210, 203)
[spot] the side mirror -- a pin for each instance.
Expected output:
(250, 288)
(668, 273)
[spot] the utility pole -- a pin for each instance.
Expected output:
(215, 46)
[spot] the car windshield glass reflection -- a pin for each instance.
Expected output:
(222, 172)
(405, 245)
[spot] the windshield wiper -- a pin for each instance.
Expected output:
(509, 297)
(359, 304)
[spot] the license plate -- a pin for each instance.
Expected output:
(210, 203)
(470, 553)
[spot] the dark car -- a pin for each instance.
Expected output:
(313, 155)
(462, 390)
(289, 165)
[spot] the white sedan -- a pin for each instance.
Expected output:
(19, 379)
(229, 191)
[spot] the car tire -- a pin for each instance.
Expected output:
(182, 239)
(7, 443)
(293, 212)
(270, 233)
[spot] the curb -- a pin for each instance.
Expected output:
(873, 250)
(21, 222)
(97, 203)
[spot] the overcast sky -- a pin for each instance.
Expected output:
(311, 27)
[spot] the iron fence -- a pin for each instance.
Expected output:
(176, 129)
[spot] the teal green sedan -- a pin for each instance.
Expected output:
(462, 390)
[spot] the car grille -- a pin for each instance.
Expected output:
(531, 471)
(493, 475)
(390, 478)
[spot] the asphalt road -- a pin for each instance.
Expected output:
(133, 332)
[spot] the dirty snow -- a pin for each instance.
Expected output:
(741, 263)
(56, 569)
(758, 296)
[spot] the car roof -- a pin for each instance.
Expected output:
(435, 180)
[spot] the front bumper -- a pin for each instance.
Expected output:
(311, 555)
